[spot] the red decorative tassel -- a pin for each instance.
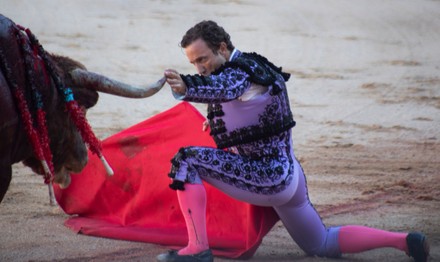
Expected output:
(45, 142)
(84, 128)
(28, 125)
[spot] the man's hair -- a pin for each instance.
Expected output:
(211, 33)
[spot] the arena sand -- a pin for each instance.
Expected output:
(364, 91)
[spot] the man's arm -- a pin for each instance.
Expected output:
(228, 85)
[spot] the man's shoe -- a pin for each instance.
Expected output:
(172, 256)
(418, 246)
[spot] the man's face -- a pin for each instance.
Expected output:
(203, 58)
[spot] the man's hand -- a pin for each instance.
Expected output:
(175, 81)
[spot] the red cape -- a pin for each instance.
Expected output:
(136, 202)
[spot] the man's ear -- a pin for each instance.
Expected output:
(223, 49)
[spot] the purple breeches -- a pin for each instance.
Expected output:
(276, 180)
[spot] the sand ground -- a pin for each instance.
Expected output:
(365, 92)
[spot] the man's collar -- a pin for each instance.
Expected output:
(235, 53)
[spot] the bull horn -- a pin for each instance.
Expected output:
(106, 85)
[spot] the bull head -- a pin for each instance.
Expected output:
(69, 151)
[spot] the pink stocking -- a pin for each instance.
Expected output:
(192, 202)
(355, 239)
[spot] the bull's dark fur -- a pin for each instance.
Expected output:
(68, 149)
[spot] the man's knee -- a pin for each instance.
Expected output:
(330, 247)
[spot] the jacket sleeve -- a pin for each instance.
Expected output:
(225, 86)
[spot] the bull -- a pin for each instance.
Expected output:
(66, 144)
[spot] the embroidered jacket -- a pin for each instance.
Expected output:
(234, 121)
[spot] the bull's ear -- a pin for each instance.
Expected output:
(85, 97)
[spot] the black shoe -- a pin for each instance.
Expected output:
(418, 246)
(172, 256)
